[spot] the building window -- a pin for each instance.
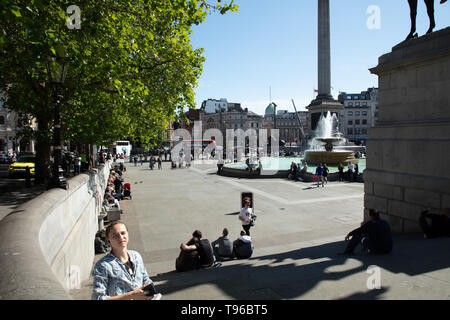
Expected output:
(350, 104)
(357, 121)
(364, 121)
(350, 113)
(357, 130)
(364, 104)
(357, 113)
(364, 113)
(350, 122)
(350, 131)
(364, 131)
(2, 120)
(357, 104)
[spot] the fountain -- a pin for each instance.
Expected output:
(321, 149)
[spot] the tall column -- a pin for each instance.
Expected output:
(324, 73)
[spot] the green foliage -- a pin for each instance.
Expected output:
(131, 64)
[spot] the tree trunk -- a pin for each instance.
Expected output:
(43, 143)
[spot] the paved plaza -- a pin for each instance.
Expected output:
(298, 234)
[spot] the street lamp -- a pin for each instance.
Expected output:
(57, 70)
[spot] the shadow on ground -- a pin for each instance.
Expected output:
(279, 276)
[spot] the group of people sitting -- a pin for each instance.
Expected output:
(200, 253)
(116, 189)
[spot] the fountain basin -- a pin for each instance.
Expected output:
(330, 157)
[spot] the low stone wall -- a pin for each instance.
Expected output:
(48, 242)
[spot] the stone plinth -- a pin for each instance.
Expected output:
(408, 152)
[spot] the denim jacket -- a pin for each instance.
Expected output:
(111, 277)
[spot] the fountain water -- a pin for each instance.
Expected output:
(322, 145)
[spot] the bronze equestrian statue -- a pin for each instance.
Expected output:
(413, 13)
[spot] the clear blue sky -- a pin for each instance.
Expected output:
(273, 43)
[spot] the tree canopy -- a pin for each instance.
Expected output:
(131, 65)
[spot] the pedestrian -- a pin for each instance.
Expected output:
(356, 172)
(325, 173)
(203, 246)
(223, 246)
(121, 275)
(77, 164)
(374, 236)
(159, 163)
(440, 223)
(135, 159)
(246, 216)
(341, 172)
(319, 173)
(242, 247)
(350, 168)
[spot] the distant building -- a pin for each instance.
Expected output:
(223, 115)
(360, 113)
(290, 130)
(9, 142)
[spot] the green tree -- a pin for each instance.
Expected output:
(131, 67)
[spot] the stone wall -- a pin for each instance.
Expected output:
(408, 151)
(50, 240)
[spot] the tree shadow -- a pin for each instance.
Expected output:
(291, 274)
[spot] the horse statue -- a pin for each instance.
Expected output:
(413, 13)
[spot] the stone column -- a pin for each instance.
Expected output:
(323, 34)
(408, 150)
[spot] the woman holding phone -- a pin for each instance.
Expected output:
(121, 274)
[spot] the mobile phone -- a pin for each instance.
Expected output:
(150, 289)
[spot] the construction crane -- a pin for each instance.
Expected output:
(298, 118)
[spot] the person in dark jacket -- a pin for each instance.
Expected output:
(204, 249)
(188, 260)
(439, 226)
(242, 247)
(374, 236)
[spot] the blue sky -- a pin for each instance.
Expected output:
(273, 44)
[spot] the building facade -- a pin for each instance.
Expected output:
(223, 115)
(9, 142)
(287, 123)
(360, 113)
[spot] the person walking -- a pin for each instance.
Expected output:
(325, 173)
(319, 174)
(121, 274)
(159, 163)
(341, 172)
(246, 216)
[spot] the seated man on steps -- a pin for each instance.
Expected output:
(374, 236)
(204, 249)
(223, 246)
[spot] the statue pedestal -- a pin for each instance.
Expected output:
(408, 151)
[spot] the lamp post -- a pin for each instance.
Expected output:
(57, 70)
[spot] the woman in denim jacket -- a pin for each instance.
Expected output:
(121, 274)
